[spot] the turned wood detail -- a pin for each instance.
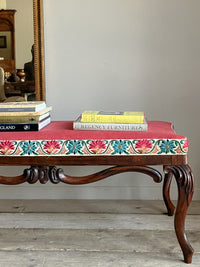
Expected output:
(43, 174)
(185, 183)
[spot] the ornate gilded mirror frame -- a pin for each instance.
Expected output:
(39, 49)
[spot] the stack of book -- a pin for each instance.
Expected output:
(111, 121)
(24, 116)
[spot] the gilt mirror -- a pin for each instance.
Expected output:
(39, 49)
(21, 47)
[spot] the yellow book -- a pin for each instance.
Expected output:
(113, 116)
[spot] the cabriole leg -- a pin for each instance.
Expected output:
(166, 193)
(185, 183)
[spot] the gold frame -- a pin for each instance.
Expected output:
(39, 49)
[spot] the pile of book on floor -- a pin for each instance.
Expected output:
(24, 116)
(111, 121)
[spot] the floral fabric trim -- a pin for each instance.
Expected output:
(94, 147)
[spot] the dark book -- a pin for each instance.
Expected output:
(21, 127)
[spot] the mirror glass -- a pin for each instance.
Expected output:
(21, 50)
(24, 35)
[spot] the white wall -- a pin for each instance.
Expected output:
(122, 55)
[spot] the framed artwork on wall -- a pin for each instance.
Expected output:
(3, 42)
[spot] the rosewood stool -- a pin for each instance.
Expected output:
(58, 144)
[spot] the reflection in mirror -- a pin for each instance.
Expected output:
(21, 48)
(5, 45)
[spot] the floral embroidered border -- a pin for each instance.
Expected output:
(93, 147)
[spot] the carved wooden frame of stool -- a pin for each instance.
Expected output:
(43, 169)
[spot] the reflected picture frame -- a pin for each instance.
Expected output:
(3, 42)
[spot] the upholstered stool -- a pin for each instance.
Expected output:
(59, 144)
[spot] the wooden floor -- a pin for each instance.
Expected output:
(55, 233)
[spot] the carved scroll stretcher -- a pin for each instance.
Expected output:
(56, 175)
(182, 173)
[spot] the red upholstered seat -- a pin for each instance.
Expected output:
(60, 139)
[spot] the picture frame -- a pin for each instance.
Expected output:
(3, 42)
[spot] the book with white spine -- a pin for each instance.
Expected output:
(95, 126)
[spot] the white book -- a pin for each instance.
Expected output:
(22, 106)
(94, 126)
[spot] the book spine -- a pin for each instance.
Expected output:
(23, 119)
(112, 119)
(28, 109)
(110, 126)
(16, 127)
(17, 114)
(18, 119)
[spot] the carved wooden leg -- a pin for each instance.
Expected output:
(185, 183)
(166, 193)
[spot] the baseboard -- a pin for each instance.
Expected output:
(86, 192)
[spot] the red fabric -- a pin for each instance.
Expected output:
(62, 130)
